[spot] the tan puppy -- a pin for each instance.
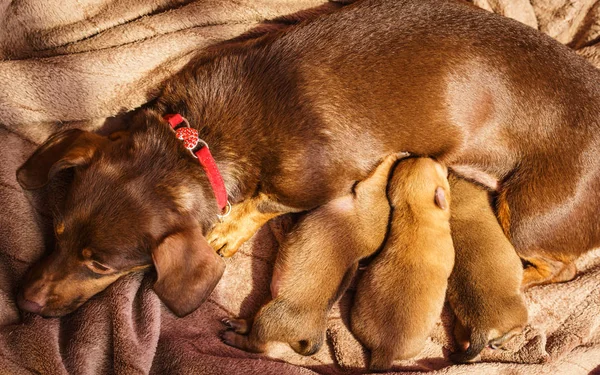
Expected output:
(315, 265)
(484, 288)
(401, 295)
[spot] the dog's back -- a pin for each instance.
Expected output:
(405, 285)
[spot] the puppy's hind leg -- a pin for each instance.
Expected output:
(244, 220)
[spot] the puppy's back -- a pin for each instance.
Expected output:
(484, 288)
(405, 285)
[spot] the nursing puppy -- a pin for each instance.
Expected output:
(401, 295)
(315, 265)
(484, 288)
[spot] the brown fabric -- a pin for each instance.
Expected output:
(69, 63)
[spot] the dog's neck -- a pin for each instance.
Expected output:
(241, 116)
(218, 102)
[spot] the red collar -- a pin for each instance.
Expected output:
(190, 139)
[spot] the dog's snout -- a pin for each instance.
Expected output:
(29, 305)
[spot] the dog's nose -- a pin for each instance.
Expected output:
(27, 305)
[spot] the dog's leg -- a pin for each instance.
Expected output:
(541, 269)
(547, 271)
(378, 178)
(244, 220)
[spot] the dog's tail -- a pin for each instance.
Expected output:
(478, 342)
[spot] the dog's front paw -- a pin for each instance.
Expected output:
(224, 241)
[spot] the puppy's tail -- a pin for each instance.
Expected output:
(478, 342)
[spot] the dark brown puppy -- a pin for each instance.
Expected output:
(485, 286)
(314, 266)
(401, 295)
(295, 118)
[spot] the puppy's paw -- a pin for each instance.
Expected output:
(229, 337)
(240, 326)
(235, 340)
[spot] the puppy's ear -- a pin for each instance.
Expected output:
(440, 198)
(188, 269)
(65, 149)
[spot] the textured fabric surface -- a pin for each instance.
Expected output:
(77, 63)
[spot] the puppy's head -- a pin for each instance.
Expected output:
(422, 183)
(507, 322)
(133, 201)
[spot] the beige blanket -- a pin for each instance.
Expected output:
(66, 63)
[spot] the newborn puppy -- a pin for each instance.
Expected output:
(484, 288)
(315, 264)
(401, 295)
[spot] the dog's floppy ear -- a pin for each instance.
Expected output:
(188, 269)
(67, 148)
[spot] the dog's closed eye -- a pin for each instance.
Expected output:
(98, 267)
(94, 265)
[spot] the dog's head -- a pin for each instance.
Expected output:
(133, 201)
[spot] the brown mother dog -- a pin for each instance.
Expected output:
(295, 118)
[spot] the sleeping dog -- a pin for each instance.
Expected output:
(294, 118)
